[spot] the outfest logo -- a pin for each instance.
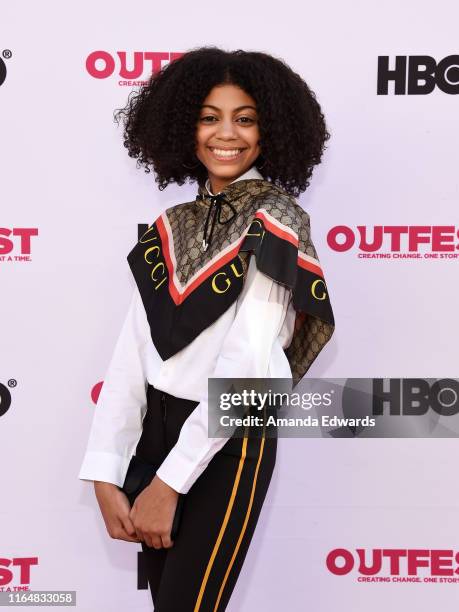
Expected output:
(417, 565)
(132, 68)
(15, 573)
(396, 241)
(16, 243)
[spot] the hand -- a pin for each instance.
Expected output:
(153, 513)
(115, 508)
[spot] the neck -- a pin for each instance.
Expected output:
(217, 184)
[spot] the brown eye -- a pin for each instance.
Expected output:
(206, 118)
(248, 120)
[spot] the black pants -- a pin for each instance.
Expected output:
(219, 514)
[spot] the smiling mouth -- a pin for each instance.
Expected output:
(226, 154)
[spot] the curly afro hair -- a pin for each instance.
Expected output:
(160, 119)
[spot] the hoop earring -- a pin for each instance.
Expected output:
(262, 165)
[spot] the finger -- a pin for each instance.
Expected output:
(128, 526)
(119, 533)
(139, 533)
(125, 536)
(154, 541)
(166, 541)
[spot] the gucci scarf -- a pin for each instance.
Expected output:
(191, 262)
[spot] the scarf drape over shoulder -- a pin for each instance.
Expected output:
(191, 262)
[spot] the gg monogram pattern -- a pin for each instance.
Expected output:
(308, 340)
(187, 221)
(247, 196)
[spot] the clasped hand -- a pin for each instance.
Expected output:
(153, 513)
(150, 518)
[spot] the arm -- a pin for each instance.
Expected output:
(117, 420)
(245, 353)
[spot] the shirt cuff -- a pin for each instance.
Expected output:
(181, 472)
(105, 467)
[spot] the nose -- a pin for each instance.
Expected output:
(226, 129)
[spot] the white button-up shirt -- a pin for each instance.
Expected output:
(246, 341)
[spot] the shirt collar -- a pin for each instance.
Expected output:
(251, 173)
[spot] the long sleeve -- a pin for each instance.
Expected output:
(245, 353)
(117, 420)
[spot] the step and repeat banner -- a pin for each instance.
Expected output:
(350, 522)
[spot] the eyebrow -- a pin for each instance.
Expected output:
(236, 109)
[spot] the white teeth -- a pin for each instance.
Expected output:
(222, 153)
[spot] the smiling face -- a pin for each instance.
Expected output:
(227, 134)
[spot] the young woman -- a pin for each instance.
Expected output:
(227, 286)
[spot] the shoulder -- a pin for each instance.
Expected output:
(283, 207)
(175, 208)
(175, 212)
